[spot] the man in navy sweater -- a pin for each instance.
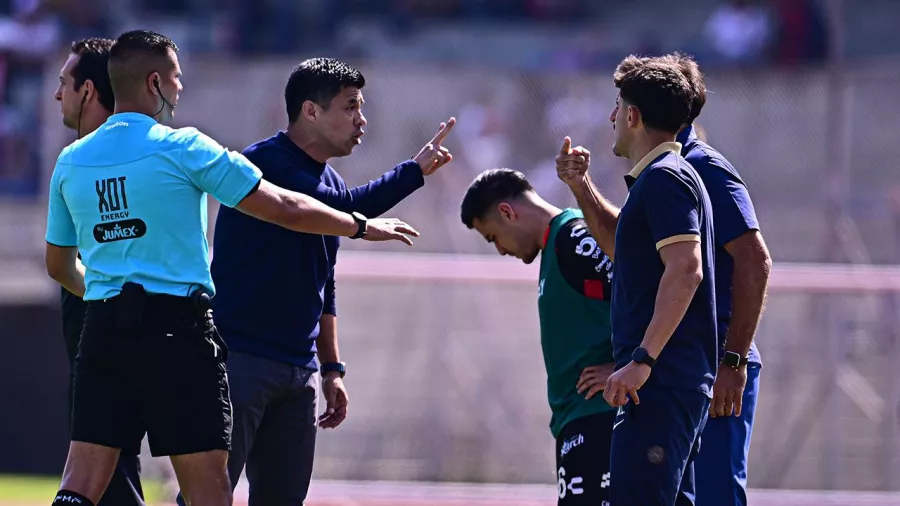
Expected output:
(275, 301)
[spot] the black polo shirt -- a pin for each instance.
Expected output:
(666, 203)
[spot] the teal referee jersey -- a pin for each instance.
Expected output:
(131, 196)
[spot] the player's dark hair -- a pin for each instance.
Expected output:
(318, 80)
(134, 56)
(93, 58)
(691, 71)
(488, 189)
(659, 91)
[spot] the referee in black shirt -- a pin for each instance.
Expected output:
(86, 99)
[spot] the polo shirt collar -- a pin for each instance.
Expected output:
(309, 161)
(133, 117)
(665, 147)
(686, 137)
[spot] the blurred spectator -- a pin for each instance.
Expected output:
(739, 31)
(28, 34)
(802, 35)
(80, 19)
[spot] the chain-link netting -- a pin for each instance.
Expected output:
(446, 379)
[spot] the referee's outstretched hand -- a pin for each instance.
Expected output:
(434, 155)
(625, 383)
(389, 229)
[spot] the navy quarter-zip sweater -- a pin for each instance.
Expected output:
(273, 284)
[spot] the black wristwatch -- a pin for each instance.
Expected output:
(361, 223)
(641, 356)
(338, 367)
(734, 360)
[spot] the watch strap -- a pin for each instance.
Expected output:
(732, 359)
(642, 356)
(361, 224)
(338, 367)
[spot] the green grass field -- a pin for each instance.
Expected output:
(38, 490)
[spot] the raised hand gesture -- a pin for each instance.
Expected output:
(572, 164)
(433, 155)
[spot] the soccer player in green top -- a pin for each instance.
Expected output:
(573, 304)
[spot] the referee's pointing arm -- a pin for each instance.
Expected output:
(236, 182)
(303, 213)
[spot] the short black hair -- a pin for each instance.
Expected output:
(691, 71)
(93, 58)
(134, 56)
(489, 188)
(659, 90)
(319, 80)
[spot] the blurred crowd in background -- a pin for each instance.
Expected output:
(561, 35)
(802, 100)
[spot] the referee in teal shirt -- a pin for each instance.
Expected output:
(131, 198)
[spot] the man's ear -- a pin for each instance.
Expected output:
(88, 91)
(633, 117)
(507, 212)
(310, 110)
(153, 81)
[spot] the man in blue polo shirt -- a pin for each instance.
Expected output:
(742, 272)
(131, 199)
(663, 305)
(276, 305)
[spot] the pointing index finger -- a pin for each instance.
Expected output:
(566, 146)
(443, 131)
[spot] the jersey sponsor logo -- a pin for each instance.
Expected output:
(111, 197)
(541, 287)
(606, 266)
(117, 124)
(570, 444)
(586, 247)
(112, 204)
(120, 230)
(571, 486)
(578, 230)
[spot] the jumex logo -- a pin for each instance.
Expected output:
(112, 203)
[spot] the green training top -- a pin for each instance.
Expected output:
(573, 302)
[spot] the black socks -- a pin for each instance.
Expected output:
(69, 498)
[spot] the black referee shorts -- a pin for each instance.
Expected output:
(166, 378)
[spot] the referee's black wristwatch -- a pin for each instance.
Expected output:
(734, 360)
(338, 367)
(361, 223)
(642, 356)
